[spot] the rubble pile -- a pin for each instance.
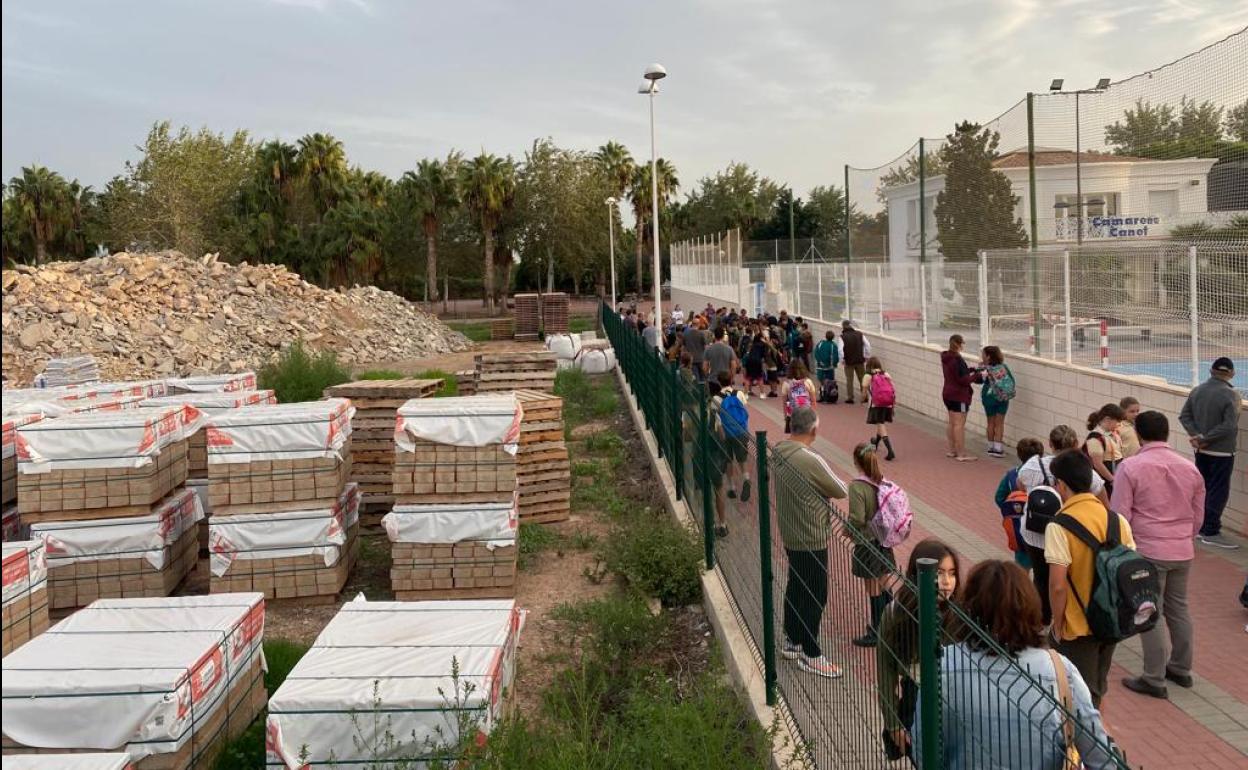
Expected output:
(164, 314)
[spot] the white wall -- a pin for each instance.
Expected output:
(1049, 394)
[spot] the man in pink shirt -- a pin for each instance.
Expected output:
(1162, 495)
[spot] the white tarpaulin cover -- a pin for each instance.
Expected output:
(564, 346)
(127, 537)
(463, 421)
(213, 383)
(125, 439)
(144, 388)
(596, 360)
(493, 522)
(213, 403)
(67, 762)
(25, 568)
(408, 648)
(278, 535)
(130, 674)
(298, 431)
(15, 420)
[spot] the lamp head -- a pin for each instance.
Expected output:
(655, 72)
(1102, 84)
(611, 201)
(1056, 85)
(648, 87)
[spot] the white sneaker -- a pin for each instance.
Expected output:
(820, 666)
(789, 650)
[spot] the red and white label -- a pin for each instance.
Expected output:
(16, 568)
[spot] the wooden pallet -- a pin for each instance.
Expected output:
(400, 390)
(502, 328)
(528, 317)
(555, 308)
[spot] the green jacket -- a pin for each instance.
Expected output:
(804, 483)
(826, 355)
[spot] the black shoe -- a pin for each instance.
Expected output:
(732, 494)
(721, 531)
(745, 491)
(891, 455)
(1182, 680)
(868, 639)
(1243, 596)
(1137, 684)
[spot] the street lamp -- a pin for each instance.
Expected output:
(1056, 87)
(655, 73)
(611, 230)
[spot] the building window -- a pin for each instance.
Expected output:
(1094, 205)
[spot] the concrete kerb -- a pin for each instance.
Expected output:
(737, 651)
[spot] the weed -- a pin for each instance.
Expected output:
(656, 556)
(477, 331)
(585, 397)
(616, 631)
(581, 540)
(296, 374)
(534, 539)
(578, 324)
(450, 385)
(379, 374)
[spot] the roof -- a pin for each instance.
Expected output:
(1047, 156)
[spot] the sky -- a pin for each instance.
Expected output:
(795, 89)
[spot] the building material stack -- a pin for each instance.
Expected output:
(397, 658)
(453, 527)
(543, 470)
(105, 492)
(284, 517)
(85, 761)
(376, 404)
(74, 370)
(528, 317)
(516, 371)
(212, 383)
(168, 681)
(502, 329)
(466, 382)
(555, 313)
(25, 594)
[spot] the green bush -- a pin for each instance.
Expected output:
(618, 630)
(296, 374)
(247, 750)
(656, 556)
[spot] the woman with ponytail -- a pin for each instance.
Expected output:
(1102, 445)
(870, 561)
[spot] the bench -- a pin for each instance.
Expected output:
(890, 316)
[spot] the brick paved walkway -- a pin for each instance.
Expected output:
(1204, 727)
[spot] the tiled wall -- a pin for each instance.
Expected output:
(1048, 394)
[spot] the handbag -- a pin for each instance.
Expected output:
(1072, 760)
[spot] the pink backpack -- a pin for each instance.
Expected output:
(891, 523)
(882, 391)
(799, 396)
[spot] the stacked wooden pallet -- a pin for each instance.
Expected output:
(502, 329)
(555, 313)
(543, 471)
(372, 432)
(25, 594)
(528, 317)
(516, 371)
(466, 382)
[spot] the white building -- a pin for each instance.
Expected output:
(1125, 198)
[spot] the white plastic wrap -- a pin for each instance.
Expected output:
(69, 542)
(278, 535)
(463, 421)
(111, 761)
(13, 421)
(126, 439)
(213, 383)
(564, 346)
(596, 361)
(299, 431)
(494, 523)
(143, 388)
(408, 648)
(213, 402)
(25, 568)
(95, 680)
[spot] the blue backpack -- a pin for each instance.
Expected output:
(734, 416)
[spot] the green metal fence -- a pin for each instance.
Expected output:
(954, 693)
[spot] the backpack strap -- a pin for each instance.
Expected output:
(1044, 473)
(1068, 706)
(1071, 525)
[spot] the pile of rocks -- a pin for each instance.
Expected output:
(161, 314)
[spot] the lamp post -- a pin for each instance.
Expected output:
(1056, 87)
(655, 73)
(611, 231)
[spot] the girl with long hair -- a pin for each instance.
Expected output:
(870, 561)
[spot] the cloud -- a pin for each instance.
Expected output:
(323, 6)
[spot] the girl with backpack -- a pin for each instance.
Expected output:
(754, 361)
(871, 560)
(999, 388)
(774, 360)
(881, 398)
(798, 391)
(1102, 445)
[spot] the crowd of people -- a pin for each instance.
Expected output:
(1113, 505)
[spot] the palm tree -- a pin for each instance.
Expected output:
(373, 188)
(618, 166)
(80, 199)
(323, 162)
(639, 197)
(40, 195)
(488, 183)
(279, 163)
(435, 189)
(350, 242)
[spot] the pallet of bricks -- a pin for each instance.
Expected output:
(376, 403)
(25, 593)
(543, 471)
(208, 403)
(453, 527)
(212, 383)
(168, 681)
(400, 656)
(555, 313)
(502, 329)
(105, 492)
(516, 371)
(284, 517)
(87, 761)
(528, 318)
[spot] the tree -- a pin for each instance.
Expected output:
(81, 201)
(826, 207)
(1200, 122)
(488, 183)
(39, 197)
(975, 210)
(1141, 125)
(908, 171)
(1237, 122)
(323, 162)
(738, 196)
(350, 241)
(640, 197)
(434, 187)
(617, 163)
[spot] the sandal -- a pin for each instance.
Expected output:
(966, 459)
(951, 454)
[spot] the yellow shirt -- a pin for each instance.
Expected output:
(1061, 547)
(1128, 438)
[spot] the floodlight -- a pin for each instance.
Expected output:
(655, 72)
(1102, 84)
(1056, 85)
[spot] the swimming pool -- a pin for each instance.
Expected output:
(1180, 372)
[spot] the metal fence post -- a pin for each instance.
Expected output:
(879, 293)
(923, 299)
(929, 668)
(1070, 334)
(1194, 308)
(764, 549)
(819, 288)
(982, 280)
(797, 286)
(678, 433)
(708, 495)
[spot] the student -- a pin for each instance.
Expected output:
(882, 397)
(808, 345)
(755, 362)
(774, 361)
(720, 358)
(957, 395)
(827, 358)
(1026, 448)
(695, 339)
(996, 394)
(1211, 418)
(687, 377)
(805, 529)
(734, 420)
(1127, 437)
(678, 315)
(897, 654)
(798, 391)
(1102, 445)
(992, 715)
(1070, 559)
(718, 459)
(854, 351)
(870, 561)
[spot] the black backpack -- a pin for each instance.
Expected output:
(1043, 504)
(1125, 586)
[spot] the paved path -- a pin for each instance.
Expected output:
(1204, 727)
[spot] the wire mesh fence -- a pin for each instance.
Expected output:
(936, 687)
